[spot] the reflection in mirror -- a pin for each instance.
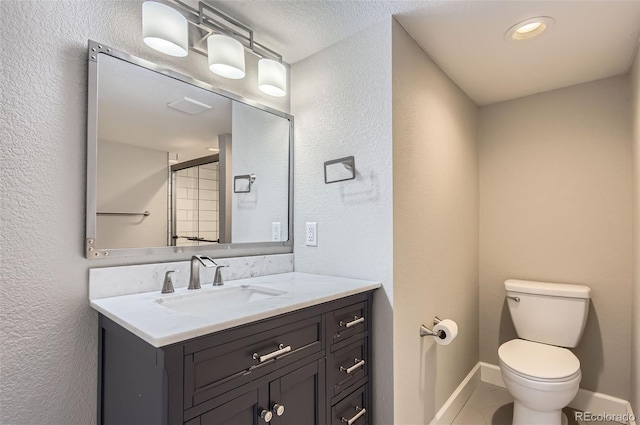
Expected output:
(195, 195)
(167, 155)
(148, 122)
(257, 212)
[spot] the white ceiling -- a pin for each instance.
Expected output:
(590, 39)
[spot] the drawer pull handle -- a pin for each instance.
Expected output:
(266, 416)
(358, 364)
(354, 322)
(281, 350)
(361, 411)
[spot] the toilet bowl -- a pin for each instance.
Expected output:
(541, 378)
(541, 375)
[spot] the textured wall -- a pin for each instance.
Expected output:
(555, 205)
(435, 226)
(635, 319)
(341, 98)
(48, 334)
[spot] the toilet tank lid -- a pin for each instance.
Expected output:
(547, 288)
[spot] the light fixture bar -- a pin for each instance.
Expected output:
(211, 20)
(202, 7)
(269, 52)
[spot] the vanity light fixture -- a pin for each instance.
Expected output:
(529, 28)
(226, 42)
(226, 56)
(272, 77)
(164, 29)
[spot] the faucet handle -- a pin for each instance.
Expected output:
(167, 286)
(217, 278)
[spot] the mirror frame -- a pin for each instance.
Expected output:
(217, 250)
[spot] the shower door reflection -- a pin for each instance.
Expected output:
(196, 201)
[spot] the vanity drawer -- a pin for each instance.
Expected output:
(347, 366)
(353, 409)
(210, 372)
(349, 321)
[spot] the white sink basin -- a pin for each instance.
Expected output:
(200, 302)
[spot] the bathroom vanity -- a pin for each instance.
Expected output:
(287, 348)
(291, 348)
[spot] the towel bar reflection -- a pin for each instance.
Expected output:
(250, 180)
(145, 213)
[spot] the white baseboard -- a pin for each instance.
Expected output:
(454, 403)
(491, 374)
(631, 415)
(598, 403)
(585, 401)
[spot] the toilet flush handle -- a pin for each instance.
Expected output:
(516, 299)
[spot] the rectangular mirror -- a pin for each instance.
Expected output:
(167, 156)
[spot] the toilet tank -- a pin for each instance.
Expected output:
(550, 313)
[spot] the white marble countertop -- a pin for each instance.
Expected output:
(145, 315)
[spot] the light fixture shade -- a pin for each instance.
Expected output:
(165, 29)
(272, 77)
(226, 56)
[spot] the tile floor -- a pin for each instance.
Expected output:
(493, 405)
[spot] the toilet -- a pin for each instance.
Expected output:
(541, 375)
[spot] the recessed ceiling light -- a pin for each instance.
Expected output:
(214, 150)
(529, 28)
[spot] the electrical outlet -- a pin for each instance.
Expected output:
(275, 231)
(311, 234)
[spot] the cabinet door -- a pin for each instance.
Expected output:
(302, 394)
(243, 409)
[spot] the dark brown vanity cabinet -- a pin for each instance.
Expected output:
(291, 399)
(307, 367)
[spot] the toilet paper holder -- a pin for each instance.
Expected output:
(424, 331)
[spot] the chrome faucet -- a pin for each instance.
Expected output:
(196, 260)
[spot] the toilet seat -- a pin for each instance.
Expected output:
(539, 362)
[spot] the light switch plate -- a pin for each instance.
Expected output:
(311, 234)
(276, 231)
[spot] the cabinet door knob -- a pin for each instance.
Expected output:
(266, 415)
(278, 409)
